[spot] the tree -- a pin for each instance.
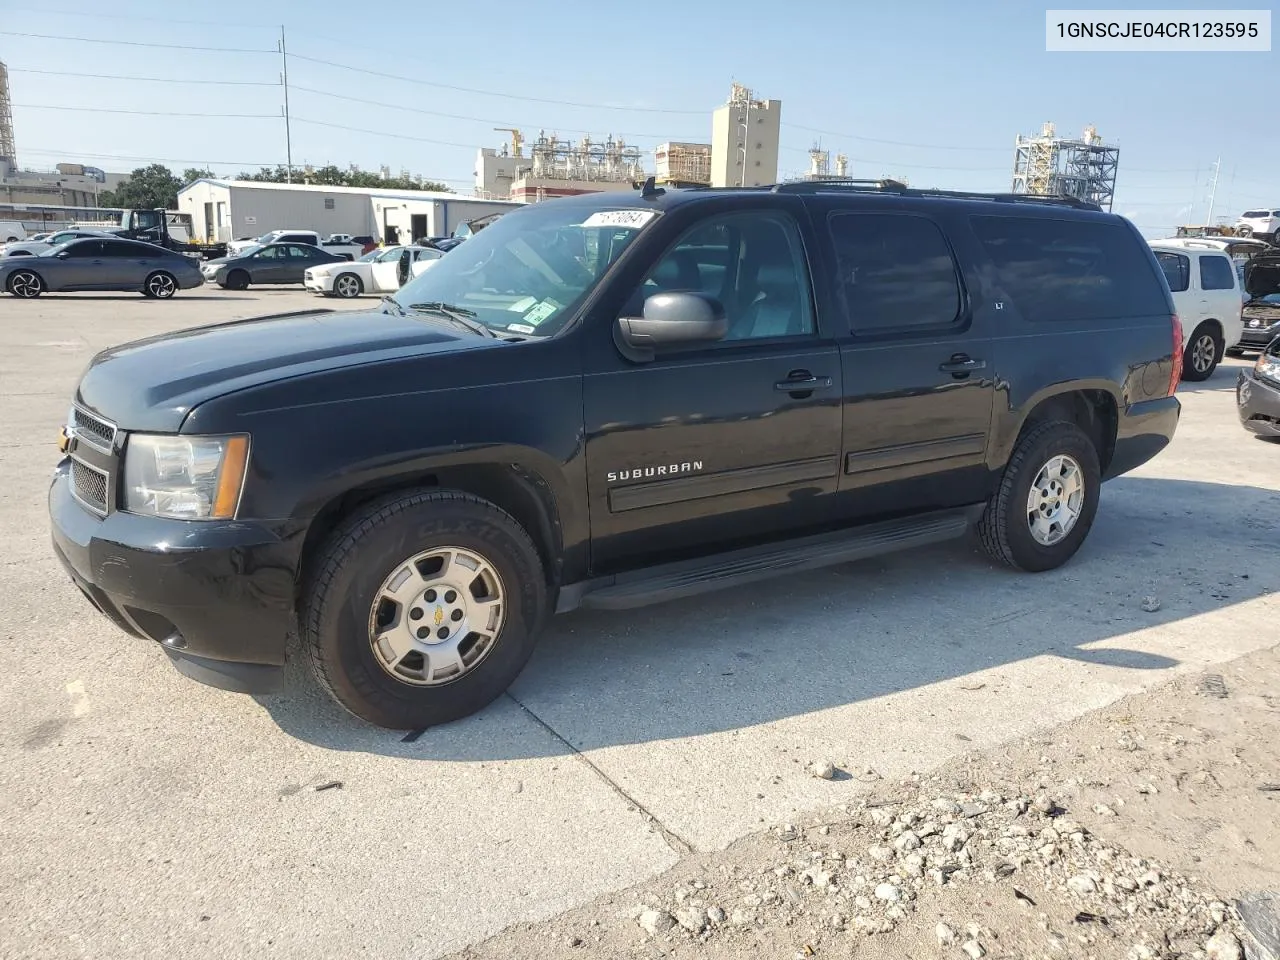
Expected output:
(192, 174)
(336, 177)
(148, 188)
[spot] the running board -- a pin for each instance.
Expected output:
(691, 577)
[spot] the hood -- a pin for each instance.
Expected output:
(1262, 275)
(153, 384)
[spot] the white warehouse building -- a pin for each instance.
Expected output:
(224, 210)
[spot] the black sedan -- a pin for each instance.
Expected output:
(1258, 393)
(269, 263)
(100, 264)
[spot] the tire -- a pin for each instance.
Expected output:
(348, 286)
(237, 280)
(26, 284)
(12, 240)
(340, 607)
(160, 286)
(1245, 232)
(1005, 529)
(1202, 353)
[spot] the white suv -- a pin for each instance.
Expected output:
(1260, 223)
(1206, 294)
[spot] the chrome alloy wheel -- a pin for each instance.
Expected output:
(347, 286)
(1055, 501)
(437, 616)
(25, 285)
(161, 286)
(1203, 353)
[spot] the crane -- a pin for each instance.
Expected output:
(517, 140)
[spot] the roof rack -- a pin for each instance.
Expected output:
(900, 189)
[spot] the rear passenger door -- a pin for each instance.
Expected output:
(123, 265)
(1220, 295)
(919, 362)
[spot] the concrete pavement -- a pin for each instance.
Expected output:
(144, 815)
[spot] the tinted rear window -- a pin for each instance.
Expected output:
(1216, 274)
(1177, 270)
(1064, 270)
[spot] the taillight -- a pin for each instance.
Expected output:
(1176, 375)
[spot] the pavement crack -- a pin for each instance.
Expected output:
(677, 843)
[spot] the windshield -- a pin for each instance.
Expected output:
(371, 256)
(250, 251)
(387, 253)
(527, 271)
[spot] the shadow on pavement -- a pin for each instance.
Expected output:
(1223, 379)
(809, 642)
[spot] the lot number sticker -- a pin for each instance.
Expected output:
(635, 219)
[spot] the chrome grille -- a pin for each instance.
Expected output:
(94, 428)
(89, 485)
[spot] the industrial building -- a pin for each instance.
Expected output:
(224, 210)
(1049, 164)
(556, 168)
(746, 134)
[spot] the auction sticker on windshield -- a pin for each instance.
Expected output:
(619, 218)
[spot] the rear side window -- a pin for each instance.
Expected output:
(1254, 213)
(895, 272)
(1177, 270)
(1216, 274)
(1069, 270)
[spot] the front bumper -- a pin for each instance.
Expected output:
(217, 596)
(1258, 404)
(1258, 337)
(318, 284)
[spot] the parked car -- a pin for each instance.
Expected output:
(270, 263)
(381, 271)
(100, 264)
(343, 245)
(610, 400)
(1258, 393)
(11, 231)
(1260, 278)
(1206, 292)
(32, 247)
(1262, 222)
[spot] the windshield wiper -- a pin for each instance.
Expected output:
(459, 315)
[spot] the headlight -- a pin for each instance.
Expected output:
(185, 478)
(1268, 367)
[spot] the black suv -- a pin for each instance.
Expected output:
(611, 400)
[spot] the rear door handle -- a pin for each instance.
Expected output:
(962, 364)
(802, 382)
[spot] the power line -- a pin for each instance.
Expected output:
(39, 151)
(116, 76)
(455, 116)
(380, 133)
(491, 93)
(134, 43)
(150, 113)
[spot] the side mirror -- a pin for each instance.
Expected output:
(674, 318)
(62, 255)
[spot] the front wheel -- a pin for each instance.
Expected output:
(1047, 499)
(1200, 358)
(26, 285)
(237, 280)
(160, 285)
(423, 608)
(348, 286)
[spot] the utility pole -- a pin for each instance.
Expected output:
(1213, 192)
(288, 137)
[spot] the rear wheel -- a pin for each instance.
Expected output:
(160, 285)
(26, 284)
(1047, 499)
(237, 280)
(1202, 353)
(348, 286)
(423, 609)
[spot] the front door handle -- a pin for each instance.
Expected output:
(803, 382)
(962, 364)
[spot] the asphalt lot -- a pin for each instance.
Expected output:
(143, 815)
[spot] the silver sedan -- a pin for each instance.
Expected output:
(100, 264)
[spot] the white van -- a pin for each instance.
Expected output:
(1206, 294)
(11, 231)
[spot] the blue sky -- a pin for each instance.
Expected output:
(935, 92)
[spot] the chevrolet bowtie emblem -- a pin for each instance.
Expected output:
(64, 440)
(439, 616)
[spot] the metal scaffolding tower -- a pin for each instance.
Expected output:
(1050, 165)
(8, 154)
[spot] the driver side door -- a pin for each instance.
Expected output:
(386, 270)
(707, 444)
